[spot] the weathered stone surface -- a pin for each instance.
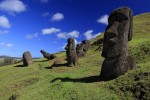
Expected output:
(47, 55)
(82, 48)
(27, 58)
(79, 50)
(72, 58)
(115, 44)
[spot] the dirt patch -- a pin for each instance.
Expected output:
(24, 83)
(141, 89)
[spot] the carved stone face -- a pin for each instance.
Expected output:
(118, 33)
(79, 48)
(86, 44)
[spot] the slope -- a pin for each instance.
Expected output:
(38, 82)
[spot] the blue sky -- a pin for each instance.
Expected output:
(46, 24)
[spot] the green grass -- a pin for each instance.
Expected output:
(37, 82)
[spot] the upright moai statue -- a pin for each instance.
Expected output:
(82, 48)
(47, 55)
(72, 58)
(79, 50)
(86, 45)
(27, 58)
(115, 45)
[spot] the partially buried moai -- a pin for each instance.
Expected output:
(72, 58)
(47, 55)
(115, 45)
(27, 58)
(82, 48)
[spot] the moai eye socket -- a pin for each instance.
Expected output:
(117, 17)
(121, 17)
(112, 19)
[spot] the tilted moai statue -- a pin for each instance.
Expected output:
(72, 58)
(82, 48)
(115, 45)
(27, 58)
(47, 55)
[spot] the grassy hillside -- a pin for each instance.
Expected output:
(38, 82)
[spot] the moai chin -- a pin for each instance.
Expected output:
(72, 58)
(115, 45)
(27, 58)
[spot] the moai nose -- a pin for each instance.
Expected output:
(112, 30)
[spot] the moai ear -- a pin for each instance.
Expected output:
(130, 33)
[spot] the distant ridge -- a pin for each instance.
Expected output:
(5, 56)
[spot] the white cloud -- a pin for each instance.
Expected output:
(4, 22)
(97, 34)
(4, 31)
(65, 35)
(57, 17)
(10, 45)
(62, 35)
(74, 34)
(45, 14)
(12, 6)
(89, 34)
(50, 30)
(31, 36)
(44, 1)
(103, 19)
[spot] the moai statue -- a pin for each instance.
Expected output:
(86, 45)
(115, 45)
(27, 58)
(47, 55)
(79, 50)
(82, 48)
(71, 54)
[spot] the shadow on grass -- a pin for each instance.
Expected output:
(89, 79)
(56, 65)
(59, 65)
(19, 66)
(48, 67)
(42, 61)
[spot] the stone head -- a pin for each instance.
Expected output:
(42, 51)
(86, 44)
(71, 42)
(118, 32)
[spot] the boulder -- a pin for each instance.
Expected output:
(27, 59)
